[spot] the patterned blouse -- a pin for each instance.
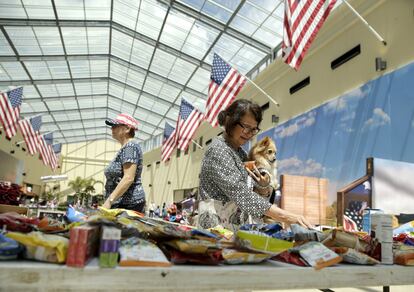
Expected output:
(130, 152)
(224, 178)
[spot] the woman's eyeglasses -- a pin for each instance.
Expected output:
(249, 130)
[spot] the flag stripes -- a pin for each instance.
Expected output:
(224, 86)
(302, 21)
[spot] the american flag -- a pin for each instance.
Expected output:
(57, 148)
(303, 19)
(10, 103)
(225, 84)
(30, 128)
(168, 142)
(48, 139)
(43, 141)
(188, 121)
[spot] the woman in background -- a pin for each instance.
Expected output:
(123, 188)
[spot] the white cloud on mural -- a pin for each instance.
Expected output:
(336, 105)
(343, 103)
(379, 118)
(299, 124)
(348, 116)
(294, 165)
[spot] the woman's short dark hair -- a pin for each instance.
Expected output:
(131, 133)
(230, 117)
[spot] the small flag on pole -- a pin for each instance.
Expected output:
(57, 148)
(43, 149)
(168, 142)
(303, 19)
(10, 103)
(188, 121)
(30, 128)
(48, 139)
(225, 84)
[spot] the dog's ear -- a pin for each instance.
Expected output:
(265, 141)
(263, 144)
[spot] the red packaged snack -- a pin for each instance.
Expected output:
(290, 258)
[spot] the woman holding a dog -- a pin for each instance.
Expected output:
(224, 177)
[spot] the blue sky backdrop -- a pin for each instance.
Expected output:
(333, 140)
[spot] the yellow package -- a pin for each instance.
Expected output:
(236, 257)
(115, 212)
(222, 232)
(192, 245)
(42, 247)
(261, 242)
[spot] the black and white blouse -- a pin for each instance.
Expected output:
(224, 178)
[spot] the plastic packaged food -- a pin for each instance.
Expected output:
(353, 256)
(317, 255)
(9, 248)
(290, 258)
(340, 238)
(404, 257)
(235, 257)
(192, 245)
(135, 251)
(211, 258)
(42, 247)
(261, 242)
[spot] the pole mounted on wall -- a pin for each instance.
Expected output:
(377, 35)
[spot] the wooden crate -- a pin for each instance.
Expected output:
(306, 196)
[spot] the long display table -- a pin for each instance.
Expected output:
(29, 276)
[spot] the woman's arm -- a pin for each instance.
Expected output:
(287, 217)
(126, 181)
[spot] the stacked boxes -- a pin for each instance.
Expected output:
(83, 242)
(110, 241)
(381, 229)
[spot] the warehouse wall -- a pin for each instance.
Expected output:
(87, 160)
(341, 32)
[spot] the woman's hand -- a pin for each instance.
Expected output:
(262, 180)
(298, 219)
(287, 217)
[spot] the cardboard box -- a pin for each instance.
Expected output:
(381, 229)
(109, 246)
(83, 243)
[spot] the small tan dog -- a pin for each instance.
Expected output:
(264, 154)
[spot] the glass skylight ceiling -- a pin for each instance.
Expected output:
(81, 62)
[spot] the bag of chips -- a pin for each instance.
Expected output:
(42, 247)
(353, 256)
(235, 257)
(135, 251)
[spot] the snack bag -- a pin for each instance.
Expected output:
(192, 245)
(9, 248)
(317, 255)
(135, 251)
(74, 215)
(261, 242)
(42, 247)
(353, 256)
(235, 257)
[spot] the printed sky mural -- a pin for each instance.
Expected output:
(333, 140)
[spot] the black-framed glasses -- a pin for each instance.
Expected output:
(249, 130)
